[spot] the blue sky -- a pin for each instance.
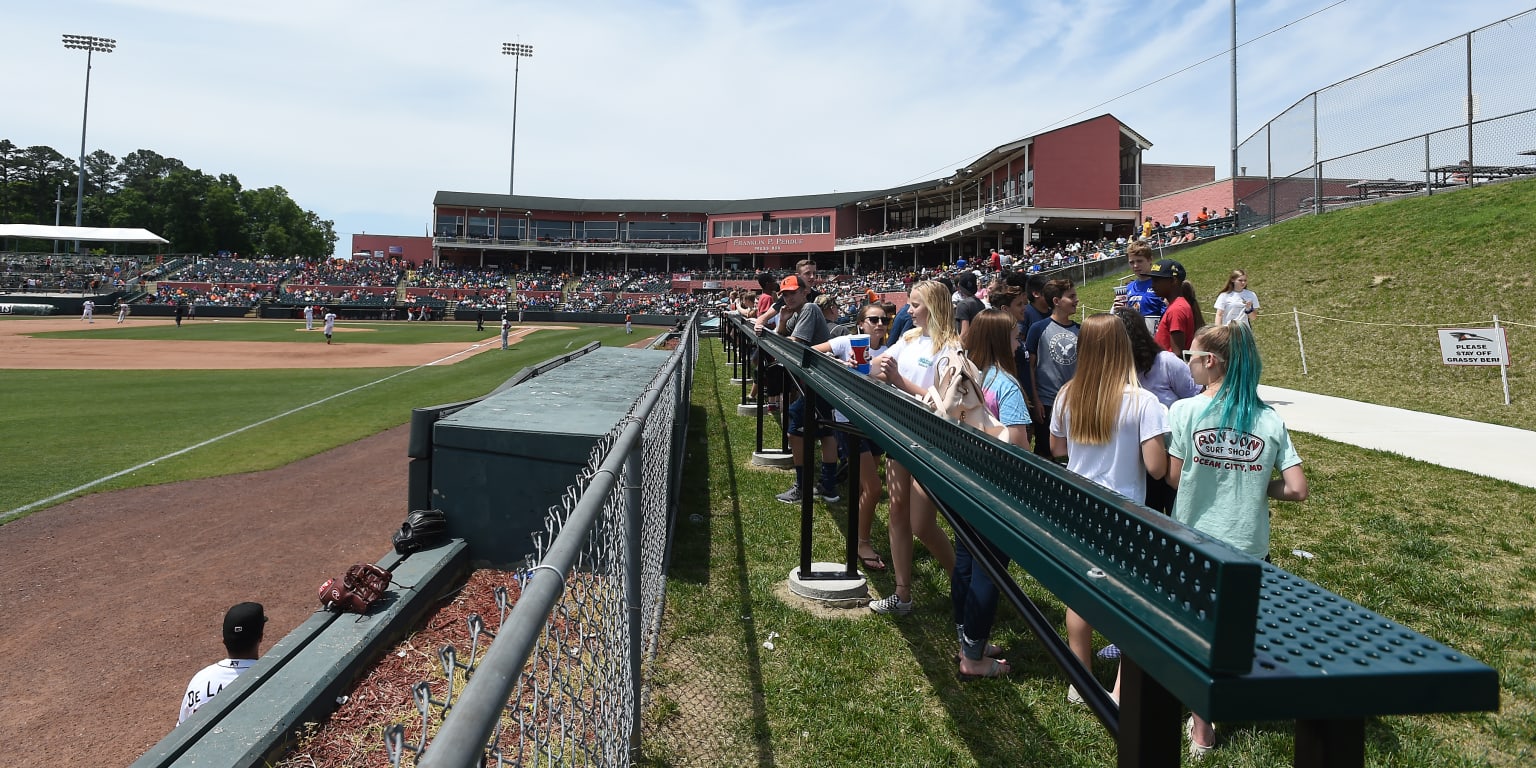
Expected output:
(363, 110)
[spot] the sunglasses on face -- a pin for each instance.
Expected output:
(877, 320)
(1190, 354)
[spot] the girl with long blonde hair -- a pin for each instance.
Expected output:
(1111, 431)
(908, 366)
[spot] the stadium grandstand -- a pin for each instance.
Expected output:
(1081, 182)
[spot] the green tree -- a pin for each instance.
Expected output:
(195, 211)
(102, 173)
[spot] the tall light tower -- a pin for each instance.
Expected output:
(518, 52)
(90, 45)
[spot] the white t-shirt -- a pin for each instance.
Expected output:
(1116, 465)
(1230, 306)
(207, 684)
(914, 360)
(842, 349)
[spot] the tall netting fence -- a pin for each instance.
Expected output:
(1460, 113)
(555, 677)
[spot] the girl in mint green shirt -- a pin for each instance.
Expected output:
(1224, 446)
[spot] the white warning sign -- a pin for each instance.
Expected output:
(1473, 346)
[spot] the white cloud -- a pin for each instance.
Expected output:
(363, 110)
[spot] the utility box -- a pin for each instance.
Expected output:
(498, 466)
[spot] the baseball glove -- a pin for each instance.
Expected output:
(356, 590)
(422, 529)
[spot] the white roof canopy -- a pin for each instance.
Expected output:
(94, 234)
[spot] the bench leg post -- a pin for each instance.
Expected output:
(1330, 743)
(1149, 720)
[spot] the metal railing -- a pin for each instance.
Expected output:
(1407, 127)
(1199, 624)
(1130, 197)
(571, 245)
(560, 681)
(927, 233)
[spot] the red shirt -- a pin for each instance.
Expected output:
(1178, 317)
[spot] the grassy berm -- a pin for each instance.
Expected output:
(1369, 282)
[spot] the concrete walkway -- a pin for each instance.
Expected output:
(1505, 453)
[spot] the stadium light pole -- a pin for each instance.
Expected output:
(518, 52)
(1234, 95)
(58, 204)
(90, 45)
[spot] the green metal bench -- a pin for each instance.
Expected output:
(255, 718)
(1199, 623)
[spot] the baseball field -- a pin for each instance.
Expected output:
(156, 475)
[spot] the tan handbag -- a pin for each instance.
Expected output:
(957, 394)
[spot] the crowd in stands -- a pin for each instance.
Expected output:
(1183, 229)
(235, 271)
(651, 283)
(601, 281)
(66, 273)
(359, 272)
(338, 295)
(227, 296)
(454, 277)
(540, 281)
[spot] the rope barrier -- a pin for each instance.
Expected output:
(1403, 325)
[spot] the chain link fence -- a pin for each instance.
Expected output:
(1455, 114)
(559, 680)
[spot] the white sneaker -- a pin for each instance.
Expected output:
(891, 604)
(1196, 751)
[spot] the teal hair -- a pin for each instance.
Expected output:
(1238, 399)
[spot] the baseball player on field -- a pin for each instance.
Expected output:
(122, 310)
(309, 317)
(243, 625)
(330, 324)
(88, 311)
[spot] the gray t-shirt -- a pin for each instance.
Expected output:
(1053, 347)
(809, 325)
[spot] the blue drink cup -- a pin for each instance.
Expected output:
(860, 345)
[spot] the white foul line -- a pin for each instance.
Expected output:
(19, 510)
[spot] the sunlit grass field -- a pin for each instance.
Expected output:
(1448, 554)
(1369, 282)
(66, 428)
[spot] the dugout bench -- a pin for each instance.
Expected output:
(1200, 625)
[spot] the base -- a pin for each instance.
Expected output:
(747, 409)
(739, 382)
(780, 459)
(842, 588)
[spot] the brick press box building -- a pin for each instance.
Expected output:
(1079, 182)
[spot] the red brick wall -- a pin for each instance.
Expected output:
(1079, 166)
(1216, 196)
(1159, 180)
(415, 249)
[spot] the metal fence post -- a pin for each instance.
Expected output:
(634, 514)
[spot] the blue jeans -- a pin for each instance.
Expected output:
(974, 598)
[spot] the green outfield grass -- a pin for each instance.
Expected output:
(1446, 553)
(1375, 272)
(221, 329)
(67, 428)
